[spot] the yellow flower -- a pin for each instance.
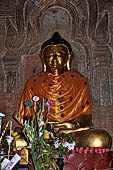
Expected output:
(17, 137)
(46, 135)
(15, 134)
(52, 135)
(12, 132)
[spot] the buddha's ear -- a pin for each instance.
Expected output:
(44, 67)
(43, 63)
(69, 61)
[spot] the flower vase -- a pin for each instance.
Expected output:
(60, 163)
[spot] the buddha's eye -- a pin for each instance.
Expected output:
(63, 52)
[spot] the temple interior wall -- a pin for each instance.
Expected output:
(86, 24)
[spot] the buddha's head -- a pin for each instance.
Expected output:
(56, 55)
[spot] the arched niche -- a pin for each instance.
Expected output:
(58, 9)
(56, 19)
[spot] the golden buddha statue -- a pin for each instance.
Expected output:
(71, 110)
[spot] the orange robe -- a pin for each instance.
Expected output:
(69, 91)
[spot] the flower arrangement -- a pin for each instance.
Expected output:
(43, 154)
(64, 143)
(45, 144)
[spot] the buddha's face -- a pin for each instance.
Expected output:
(55, 56)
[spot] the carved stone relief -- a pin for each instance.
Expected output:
(56, 19)
(13, 41)
(11, 81)
(79, 58)
(7, 7)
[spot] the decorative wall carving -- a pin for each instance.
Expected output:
(55, 19)
(40, 11)
(11, 81)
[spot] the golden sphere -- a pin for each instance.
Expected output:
(95, 138)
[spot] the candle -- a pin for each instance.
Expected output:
(9, 141)
(4, 131)
(9, 138)
(10, 127)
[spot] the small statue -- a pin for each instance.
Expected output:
(71, 110)
(20, 142)
(24, 155)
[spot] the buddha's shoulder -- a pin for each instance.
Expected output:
(36, 77)
(76, 75)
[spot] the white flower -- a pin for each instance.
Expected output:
(74, 143)
(57, 144)
(30, 138)
(40, 129)
(9, 139)
(66, 144)
(40, 134)
(25, 122)
(29, 145)
(41, 123)
(30, 132)
(71, 146)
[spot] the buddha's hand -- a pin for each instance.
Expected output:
(67, 125)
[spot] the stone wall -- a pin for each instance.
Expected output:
(86, 24)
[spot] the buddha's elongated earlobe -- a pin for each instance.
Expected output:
(69, 62)
(43, 63)
(44, 67)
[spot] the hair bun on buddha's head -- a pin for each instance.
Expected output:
(54, 40)
(56, 36)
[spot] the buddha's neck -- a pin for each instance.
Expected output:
(57, 72)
